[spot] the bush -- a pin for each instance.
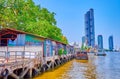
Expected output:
(64, 52)
(60, 51)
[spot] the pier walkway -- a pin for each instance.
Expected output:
(27, 61)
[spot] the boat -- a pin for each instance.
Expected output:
(80, 55)
(100, 53)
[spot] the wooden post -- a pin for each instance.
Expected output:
(14, 75)
(24, 72)
(7, 51)
(52, 64)
(23, 57)
(15, 56)
(30, 72)
(6, 77)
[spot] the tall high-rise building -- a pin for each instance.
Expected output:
(89, 28)
(83, 39)
(111, 45)
(100, 42)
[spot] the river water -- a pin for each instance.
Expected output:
(97, 67)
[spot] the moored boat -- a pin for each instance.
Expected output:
(100, 54)
(81, 55)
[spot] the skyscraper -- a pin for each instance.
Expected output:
(89, 28)
(100, 42)
(111, 45)
(83, 39)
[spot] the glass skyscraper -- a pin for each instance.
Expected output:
(111, 45)
(83, 39)
(100, 42)
(89, 28)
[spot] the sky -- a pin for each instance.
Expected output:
(70, 18)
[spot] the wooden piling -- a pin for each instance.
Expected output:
(30, 73)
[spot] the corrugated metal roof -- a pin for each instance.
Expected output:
(22, 32)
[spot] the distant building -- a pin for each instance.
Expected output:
(111, 45)
(89, 28)
(76, 46)
(83, 39)
(100, 42)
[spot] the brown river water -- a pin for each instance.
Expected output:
(97, 67)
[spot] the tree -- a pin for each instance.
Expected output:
(26, 16)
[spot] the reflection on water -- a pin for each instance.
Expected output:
(97, 67)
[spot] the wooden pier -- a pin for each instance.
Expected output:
(23, 55)
(19, 65)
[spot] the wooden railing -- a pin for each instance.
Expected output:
(19, 56)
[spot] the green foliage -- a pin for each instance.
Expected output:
(64, 52)
(84, 47)
(26, 16)
(60, 51)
